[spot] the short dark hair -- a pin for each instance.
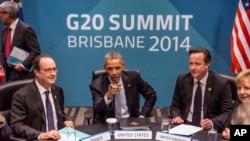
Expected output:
(205, 51)
(36, 61)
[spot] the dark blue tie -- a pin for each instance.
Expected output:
(197, 106)
(49, 110)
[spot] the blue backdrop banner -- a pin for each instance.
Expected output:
(154, 37)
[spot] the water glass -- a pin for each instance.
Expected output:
(165, 124)
(212, 135)
(111, 122)
(71, 134)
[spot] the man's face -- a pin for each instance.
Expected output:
(4, 16)
(47, 73)
(243, 90)
(114, 69)
(197, 66)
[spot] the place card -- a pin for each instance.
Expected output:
(104, 136)
(135, 134)
(170, 137)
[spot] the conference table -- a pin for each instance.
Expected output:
(98, 128)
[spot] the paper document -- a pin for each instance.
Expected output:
(67, 134)
(17, 55)
(184, 129)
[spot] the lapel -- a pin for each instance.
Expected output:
(55, 96)
(189, 82)
(38, 101)
(128, 88)
(208, 92)
(4, 36)
(16, 33)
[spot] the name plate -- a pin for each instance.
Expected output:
(104, 136)
(170, 137)
(135, 134)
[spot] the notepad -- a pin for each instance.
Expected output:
(184, 129)
(78, 134)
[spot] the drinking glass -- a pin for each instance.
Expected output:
(165, 124)
(71, 134)
(111, 122)
(212, 135)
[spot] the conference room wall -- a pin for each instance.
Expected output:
(210, 26)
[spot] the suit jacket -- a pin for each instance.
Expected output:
(217, 104)
(24, 38)
(133, 86)
(5, 132)
(28, 117)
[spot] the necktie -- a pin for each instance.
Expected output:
(49, 111)
(197, 106)
(118, 105)
(8, 43)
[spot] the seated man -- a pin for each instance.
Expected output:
(201, 97)
(4, 129)
(116, 93)
(37, 109)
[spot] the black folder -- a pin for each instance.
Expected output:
(134, 124)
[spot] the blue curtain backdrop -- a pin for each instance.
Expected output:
(153, 36)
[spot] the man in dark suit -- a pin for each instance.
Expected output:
(216, 96)
(30, 116)
(21, 36)
(116, 93)
(4, 129)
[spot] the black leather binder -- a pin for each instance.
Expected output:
(134, 124)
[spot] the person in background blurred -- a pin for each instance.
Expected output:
(241, 113)
(20, 35)
(4, 129)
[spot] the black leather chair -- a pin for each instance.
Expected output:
(6, 92)
(232, 86)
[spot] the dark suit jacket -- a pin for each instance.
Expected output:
(133, 86)
(24, 38)
(5, 132)
(28, 118)
(217, 99)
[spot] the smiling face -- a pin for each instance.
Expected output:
(243, 90)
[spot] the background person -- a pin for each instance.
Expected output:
(22, 36)
(241, 113)
(216, 96)
(30, 117)
(4, 129)
(119, 85)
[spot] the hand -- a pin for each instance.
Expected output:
(69, 123)
(226, 134)
(206, 123)
(1, 118)
(113, 89)
(53, 134)
(177, 120)
(18, 67)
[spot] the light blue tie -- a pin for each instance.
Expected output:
(49, 111)
(118, 105)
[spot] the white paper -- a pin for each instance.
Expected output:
(184, 129)
(17, 55)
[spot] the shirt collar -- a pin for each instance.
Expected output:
(13, 25)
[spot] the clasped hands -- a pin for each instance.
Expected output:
(205, 123)
(112, 90)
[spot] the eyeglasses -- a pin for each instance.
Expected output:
(49, 70)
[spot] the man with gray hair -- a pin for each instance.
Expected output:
(18, 34)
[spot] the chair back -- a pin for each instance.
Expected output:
(232, 85)
(8, 89)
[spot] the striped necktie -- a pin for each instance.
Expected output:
(49, 111)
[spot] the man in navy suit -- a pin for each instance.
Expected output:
(30, 116)
(116, 92)
(22, 36)
(216, 95)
